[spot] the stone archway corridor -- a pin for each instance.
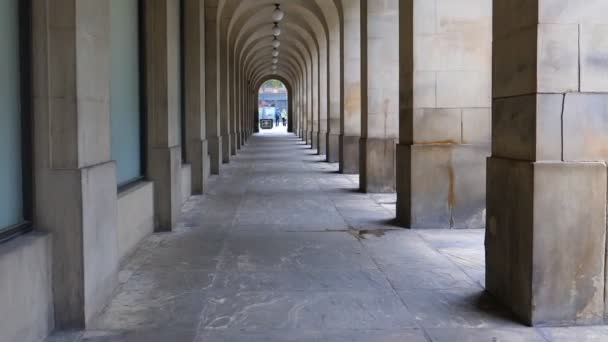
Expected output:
(284, 248)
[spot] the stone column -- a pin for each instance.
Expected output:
(76, 192)
(350, 122)
(213, 118)
(335, 95)
(446, 55)
(314, 102)
(223, 105)
(323, 96)
(162, 77)
(380, 117)
(197, 152)
(546, 204)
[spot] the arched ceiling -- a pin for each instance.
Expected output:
(245, 29)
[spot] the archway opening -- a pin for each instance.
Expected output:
(273, 107)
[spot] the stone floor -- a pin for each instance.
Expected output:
(283, 248)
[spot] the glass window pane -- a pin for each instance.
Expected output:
(124, 90)
(11, 188)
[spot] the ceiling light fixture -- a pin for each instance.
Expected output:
(278, 14)
(276, 43)
(276, 30)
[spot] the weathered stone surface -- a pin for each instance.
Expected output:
(528, 127)
(546, 214)
(135, 216)
(165, 170)
(593, 52)
(585, 123)
(349, 154)
(377, 164)
(442, 187)
(333, 148)
(26, 289)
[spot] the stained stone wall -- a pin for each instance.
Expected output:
(445, 115)
(546, 206)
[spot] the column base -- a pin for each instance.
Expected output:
(199, 160)
(377, 168)
(333, 148)
(314, 138)
(226, 148)
(349, 154)
(215, 154)
(164, 169)
(546, 239)
(233, 144)
(322, 138)
(441, 186)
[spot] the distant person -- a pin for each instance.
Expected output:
(284, 117)
(277, 118)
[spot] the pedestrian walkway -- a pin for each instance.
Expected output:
(284, 248)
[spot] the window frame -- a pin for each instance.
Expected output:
(143, 101)
(25, 88)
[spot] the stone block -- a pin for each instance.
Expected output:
(569, 217)
(333, 148)
(445, 185)
(322, 138)
(527, 127)
(453, 91)
(99, 236)
(510, 16)
(349, 154)
(226, 148)
(558, 58)
(585, 127)
(26, 291)
(186, 185)
(514, 70)
(215, 154)
(378, 165)
(571, 12)
(198, 156)
(545, 241)
(425, 17)
(135, 216)
(164, 169)
(437, 126)
(593, 56)
(476, 125)
(425, 89)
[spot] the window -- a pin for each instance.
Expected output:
(15, 136)
(127, 124)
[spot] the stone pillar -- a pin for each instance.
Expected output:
(350, 122)
(335, 94)
(211, 74)
(446, 55)
(308, 94)
(380, 117)
(546, 202)
(315, 106)
(223, 105)
(162, 77)
(323, 103)
(76, 192)
(197, 151)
